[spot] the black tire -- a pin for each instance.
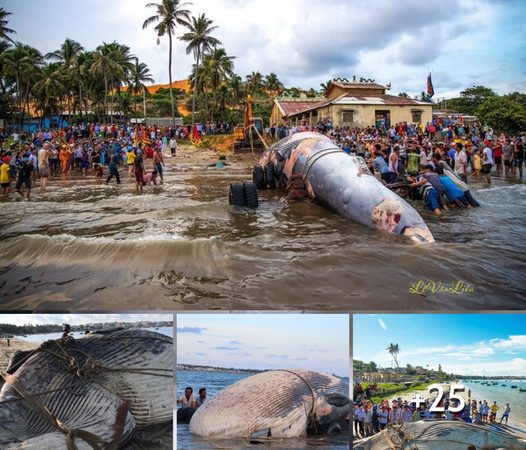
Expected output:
(236, 195)
(251, 194)
(258, 177)
(271, 179)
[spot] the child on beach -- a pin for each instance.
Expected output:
(477, 164)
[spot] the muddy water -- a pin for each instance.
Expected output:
(85, 245)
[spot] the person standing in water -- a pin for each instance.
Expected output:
(158, 163)
(114, 172)
(139, 172)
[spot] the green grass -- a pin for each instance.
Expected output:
(391, 390)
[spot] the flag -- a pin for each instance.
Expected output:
(430, 90)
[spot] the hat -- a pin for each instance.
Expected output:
(6, 159)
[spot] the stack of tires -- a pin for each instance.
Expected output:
(243, 194)
(264, 177)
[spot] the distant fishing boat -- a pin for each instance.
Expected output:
(514, 387)
(522, 390)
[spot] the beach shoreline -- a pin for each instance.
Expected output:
(7, 352)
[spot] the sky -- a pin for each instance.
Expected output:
(465, 344)
(80, 319)
(265, 341)
(307, 42)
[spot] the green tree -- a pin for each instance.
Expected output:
(273, 85)
(472, 97)
(394, 350)
(140, 74)
(4, 30)
(503, 114)
(403, 95)
(200, 41)
(169, 14)
(106, 65)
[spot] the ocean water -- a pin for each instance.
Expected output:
(39, 338)
(503, 395)
(181, 246)
(215, 381)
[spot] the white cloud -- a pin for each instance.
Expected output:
(305, 42)
(515, 342)
(382, 324)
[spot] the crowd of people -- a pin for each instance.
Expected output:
(371, 418)
(100, 149)
(437, 160)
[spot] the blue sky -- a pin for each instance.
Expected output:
(265, 341)
(307, 42)
(474, 344)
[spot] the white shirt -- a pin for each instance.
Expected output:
(461, 161)
(188, 403)
(488, 156)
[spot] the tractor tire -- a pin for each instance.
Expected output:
(270, 176)
(236, 195)
(251, 194)
(258, 176)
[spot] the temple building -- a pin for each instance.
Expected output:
(353, 104)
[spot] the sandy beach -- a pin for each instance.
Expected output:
(514, 426)
(6, 352)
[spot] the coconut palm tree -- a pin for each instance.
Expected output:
(21, 64)
(199, 41)
(169, 14)
(140, 74)
(4, 31)
(50, 87)
(218, 68)
(106, 65)
(67, 56)
(393, 350)
(254, 82)
(273, 85)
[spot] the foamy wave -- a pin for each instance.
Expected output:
(155, 252)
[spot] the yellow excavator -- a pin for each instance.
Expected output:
(249, 135)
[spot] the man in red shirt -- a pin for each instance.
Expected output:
(497, 154)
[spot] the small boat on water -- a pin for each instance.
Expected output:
(504, 385)
(522, 390)
(514, 387)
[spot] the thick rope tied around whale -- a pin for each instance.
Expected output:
(48, 343)
(311, 416)
(94, 441)
(91, 367)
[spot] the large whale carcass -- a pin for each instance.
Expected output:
(440, 435)
(95, 392)
(343, 183)
(275, 404)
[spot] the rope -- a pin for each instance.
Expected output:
(70, 433)
(311, 415)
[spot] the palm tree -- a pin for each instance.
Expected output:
(50, 87)
(218, 67)
(254, 82)
(67, 56)
(393, 350)
(273, 85)
(170, 13)
(4, 31)
(139, 75)
(199, 41)
(106, 65)
(22, 64)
